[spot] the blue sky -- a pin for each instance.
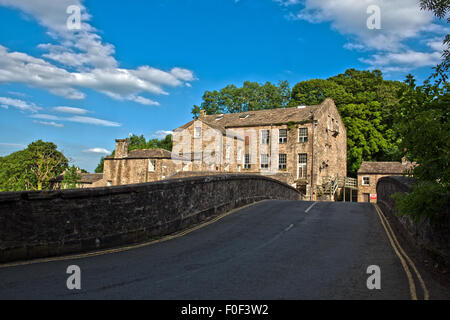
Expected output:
(140, 67)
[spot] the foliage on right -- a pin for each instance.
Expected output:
(424, 130)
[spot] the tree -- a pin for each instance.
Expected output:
(99, 168)
(32, 168)
(251, 96)
(367, 104)
(423, 126)
(71, 178)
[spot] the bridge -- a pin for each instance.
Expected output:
(263, 249)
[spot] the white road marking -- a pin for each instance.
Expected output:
(310, 207)
(289, 228)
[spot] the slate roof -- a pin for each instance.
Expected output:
(261, 117)
(147, 154)
(87, 178)
(257, 118)
(384, 167)
(90, 177)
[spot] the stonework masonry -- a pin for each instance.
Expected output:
(50, 223)
(315, 135)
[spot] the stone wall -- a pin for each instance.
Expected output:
(49, 223)
(431, 238)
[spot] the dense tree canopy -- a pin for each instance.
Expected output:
(31, 168)
(251, 96)
(367, 104)
(423, 126)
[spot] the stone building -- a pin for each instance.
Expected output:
(306, 145)
(371, 172)
(138, 166)
(87, 180)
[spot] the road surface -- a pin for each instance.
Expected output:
(270, 250)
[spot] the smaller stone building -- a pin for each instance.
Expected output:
(138, 166)
(371, 172)
(88, 180)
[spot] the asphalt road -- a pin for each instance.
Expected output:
(271, 250)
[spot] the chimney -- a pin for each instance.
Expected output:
(121, 148)
(202, 113)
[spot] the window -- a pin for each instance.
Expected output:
(247, 140)
(151, 165)
(264, 136)
(283, 135)
(197, 132)
(329, 123)
(247, 164)
(303, 135)
(366, 181)
(302, 165)
(227, 152)
(264, 161)
(282, 162)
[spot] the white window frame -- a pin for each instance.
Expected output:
(303, 139)
(282, 140)
(197, 132)
(151, 165)
(265, 140)
(362, 181)
(265, 164)
(282, 165)
(302, 166)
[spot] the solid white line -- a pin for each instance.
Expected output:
(289, 228)
(310, 207)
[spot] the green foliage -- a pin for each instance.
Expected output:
(71, 178)
(251, 96)
(139, 142)
(422, 124)
(99, 168)
(424, 202)
(367, 104)
(31, 168)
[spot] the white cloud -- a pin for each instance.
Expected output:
(19, 104)
(93, 121)
(80, 60)
(71, 110)
(401, 20)
(50, 123)
(44, 116)
(78, 119)
(97, 150)
(161, 134)
(13, 145)
(406, 59)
